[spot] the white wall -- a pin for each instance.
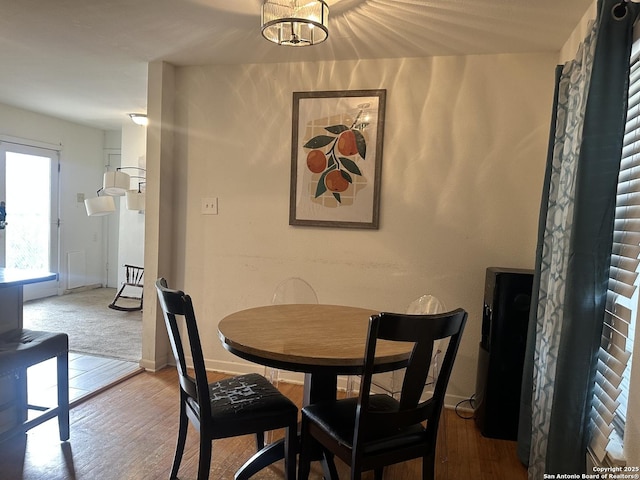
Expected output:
(570, 48)
(162, 169)
(131, 237)
(464, 153)
(81, 161)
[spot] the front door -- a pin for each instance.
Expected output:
(29, 234)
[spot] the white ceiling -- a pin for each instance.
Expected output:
(86, 60)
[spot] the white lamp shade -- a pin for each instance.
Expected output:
(99, 206)
(135, 200)
(115, 183)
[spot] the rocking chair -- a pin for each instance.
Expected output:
(133, 281)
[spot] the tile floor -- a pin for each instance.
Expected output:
(88, 375)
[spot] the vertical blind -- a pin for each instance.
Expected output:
(608, 414)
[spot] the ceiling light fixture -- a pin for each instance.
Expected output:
(135, 199)
(99, 206)
(296, 23)
(116, 184)
(139, 119)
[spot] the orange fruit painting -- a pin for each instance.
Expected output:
(333, 155)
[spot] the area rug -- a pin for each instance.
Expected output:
(93, 328)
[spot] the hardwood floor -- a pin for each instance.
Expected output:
(128, 432)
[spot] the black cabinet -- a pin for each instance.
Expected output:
(505, 319)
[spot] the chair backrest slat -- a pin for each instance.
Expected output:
(422, 331)
(176, 303)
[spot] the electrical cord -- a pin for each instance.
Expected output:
(471, 402)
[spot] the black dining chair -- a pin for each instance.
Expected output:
(372, 431)
(19, 350)
(231, 407)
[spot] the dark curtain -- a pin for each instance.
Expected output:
(564, 337)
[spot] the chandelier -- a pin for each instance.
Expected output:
(296, 23)
(116, 183)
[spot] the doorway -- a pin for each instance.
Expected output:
(29, 190)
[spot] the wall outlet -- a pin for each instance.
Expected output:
(209, 206)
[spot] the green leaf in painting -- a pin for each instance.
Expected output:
(319, 141)
(361, 143)
(321, 187)
(337, 195)
(350, 165)
(346, 176)
(336, 129)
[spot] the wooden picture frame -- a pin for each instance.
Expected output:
(336, 158)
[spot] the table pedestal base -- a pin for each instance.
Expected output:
(274, 452)
(317, 388)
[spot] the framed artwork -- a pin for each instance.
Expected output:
(336, 158)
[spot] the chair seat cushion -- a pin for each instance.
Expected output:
(338, 420)
(22, 348)
(250, 399)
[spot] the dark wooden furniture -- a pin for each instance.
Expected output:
(373, 431)
(13, 410)
(19, 350)
(12, 281)
(323, 341)
(236, 406)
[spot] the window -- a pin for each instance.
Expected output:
(29, 187)
(28, 194)
(614, 359)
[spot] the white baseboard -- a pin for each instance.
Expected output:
(152, 366)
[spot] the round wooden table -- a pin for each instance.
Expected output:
(310, 338)
(323, 341)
